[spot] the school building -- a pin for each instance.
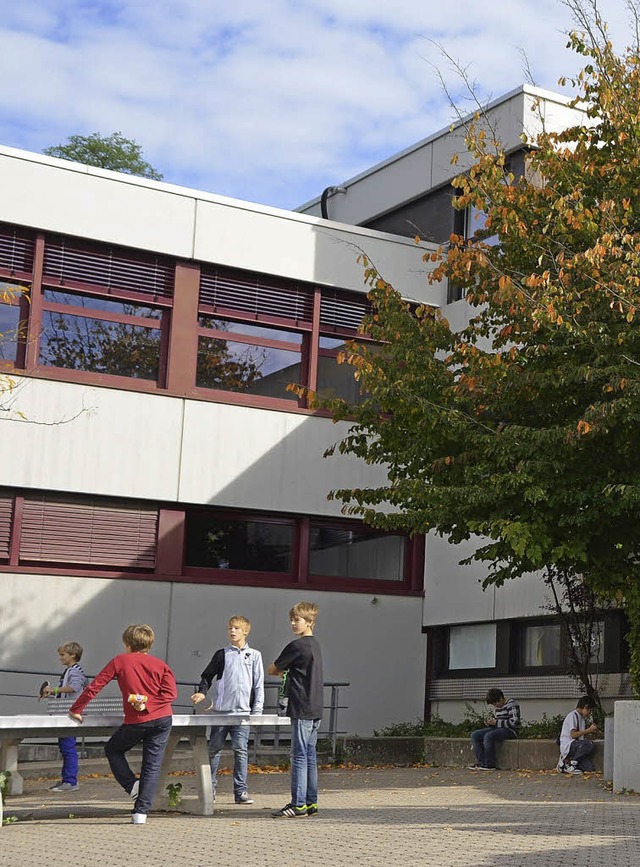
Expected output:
(156, 467)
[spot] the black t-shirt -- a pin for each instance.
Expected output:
(302, 660)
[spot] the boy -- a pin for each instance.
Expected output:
(501, 726)
(301, 659)
(240, 689)
(72, 682)
(574, 747)
(148, 688)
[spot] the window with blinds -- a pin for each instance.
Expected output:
(6, 513)
(16, 251)
(88, 531)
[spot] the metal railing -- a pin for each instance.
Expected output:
(262, 736)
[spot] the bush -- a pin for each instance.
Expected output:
(548, 727)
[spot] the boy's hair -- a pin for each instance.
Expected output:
(307, 610)
(138, 637)
(239, 620)
(73, 649)
(585, 701)
(494, 695)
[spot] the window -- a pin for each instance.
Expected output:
(234, 543)
(472, 646)
(360, 552)
(81, 332)
(542, 645)
(254, 359)
(88, 531)
(6, 512)
(12, 320)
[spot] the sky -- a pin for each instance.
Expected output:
(268, 100)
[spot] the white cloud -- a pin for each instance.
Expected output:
(269, 100)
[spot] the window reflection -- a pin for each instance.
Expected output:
(98, 345)
(248, 368)
(242, 545)
(350, 553)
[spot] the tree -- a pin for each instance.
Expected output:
(521, 430)
(113, 152)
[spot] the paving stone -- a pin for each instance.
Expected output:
(387, 817)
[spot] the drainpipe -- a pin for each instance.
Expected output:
(329, 191)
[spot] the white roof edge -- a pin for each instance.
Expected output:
(201, 195)
(527, 89)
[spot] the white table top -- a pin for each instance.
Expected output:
(35, 722)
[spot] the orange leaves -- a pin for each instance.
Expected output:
(583, 427)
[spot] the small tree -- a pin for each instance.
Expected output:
(115, 152)
(521, 430)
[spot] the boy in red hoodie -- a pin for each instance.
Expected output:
(148, 688)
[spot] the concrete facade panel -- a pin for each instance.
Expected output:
(302, 248)
(453, 593)
(249, 458)
(376, 647)
(93, 440)
(522, 597)
(111, 207)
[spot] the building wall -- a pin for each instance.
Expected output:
(360, 639)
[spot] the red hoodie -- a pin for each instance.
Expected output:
(136, 673)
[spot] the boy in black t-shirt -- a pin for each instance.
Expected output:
(301, 659)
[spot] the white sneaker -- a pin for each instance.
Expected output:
(572, 768)
(134, 790)
(560, 766)
(139, 818)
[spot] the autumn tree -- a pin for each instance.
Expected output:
(115, 152)
(521, 430)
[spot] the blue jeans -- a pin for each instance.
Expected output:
(69, 760)
(304, 763)
(153, 735)
(484, 743)
(239, 745)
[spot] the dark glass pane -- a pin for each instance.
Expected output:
(337, 380)
(252, 330)
(246, 368)
(256, 546)
(356, 554)
(80, 343)
(9, 331)
(105, 304)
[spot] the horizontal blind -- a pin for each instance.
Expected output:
(88, 531)
(16, 250)
(6, 511)
(70, 261)
(228, 290)
(341, 309)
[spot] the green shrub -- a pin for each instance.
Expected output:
(548, 727)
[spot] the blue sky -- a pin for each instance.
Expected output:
(266, 100)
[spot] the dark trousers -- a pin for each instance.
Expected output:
(153, 735)
(579, 751)
(484, 743)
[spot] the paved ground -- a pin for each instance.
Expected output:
(388, 817)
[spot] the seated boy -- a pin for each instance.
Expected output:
(575, 748)
(240, 689)
(72, 682)
(148, 688)
(502, 725)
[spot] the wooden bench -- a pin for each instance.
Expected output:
(14, 729)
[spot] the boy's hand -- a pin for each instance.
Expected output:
(491, 721)
(593, 728)
(197, 697)
(76, 716)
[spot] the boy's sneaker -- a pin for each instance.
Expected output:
(139, 818)
(572, 768)
(135, 789)
(485, 768)
(290, 811)
(312, 809)
(243, 799)
(65, 787)
(560, 766)
(474, 766)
